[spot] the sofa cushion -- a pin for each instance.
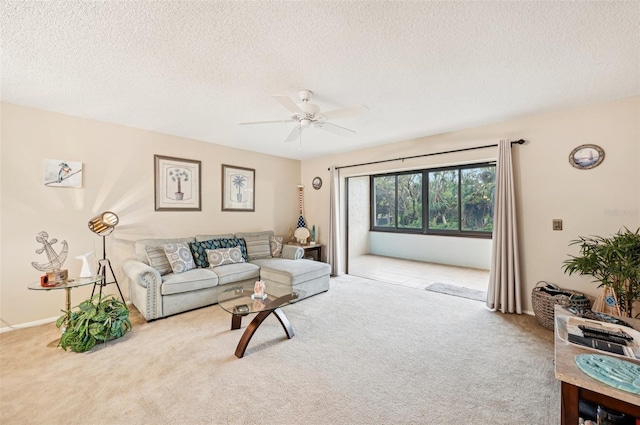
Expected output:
(180, 257)
(140, 246)
(276, 246)
(158, 259)
(232, 273)
(201, 238)
(199, 249)
(223, 256)
(191, 280)
(291, 272)
(264, 233)
(233, 242)
(258, 247)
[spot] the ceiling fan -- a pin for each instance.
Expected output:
(307, 114)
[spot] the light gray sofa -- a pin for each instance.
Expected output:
(156, 295)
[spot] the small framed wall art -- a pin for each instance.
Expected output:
(177, 184)
(585, 157)
(238, 188)
(62, 173)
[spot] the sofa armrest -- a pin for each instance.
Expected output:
(292, 252)
(141, 273)
(144, 288)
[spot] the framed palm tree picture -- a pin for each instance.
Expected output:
(238, 188)
(177, 184)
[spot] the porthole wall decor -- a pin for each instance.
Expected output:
(585, 157)
(317, 183)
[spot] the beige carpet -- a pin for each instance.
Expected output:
(365, 352)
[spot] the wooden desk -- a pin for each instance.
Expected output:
(577, 385)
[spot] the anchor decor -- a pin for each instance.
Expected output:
(53, 269)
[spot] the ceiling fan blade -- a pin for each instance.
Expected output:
(345, 112)
(294, 135)
(265, 122)
(288, 104)
(334, 128)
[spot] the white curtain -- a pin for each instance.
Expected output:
(504, 291)
(334, 254)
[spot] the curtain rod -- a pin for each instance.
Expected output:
(519, 142)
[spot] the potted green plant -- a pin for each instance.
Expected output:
(98, 319)
(613, 261)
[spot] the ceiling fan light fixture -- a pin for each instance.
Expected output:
(305, 95)
(307, 114)
(310, 108)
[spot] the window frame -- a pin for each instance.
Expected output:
(425, 205)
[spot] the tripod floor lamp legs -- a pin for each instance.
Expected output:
(102, 271)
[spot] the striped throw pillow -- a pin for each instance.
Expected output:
(258, 247)
(158, 259)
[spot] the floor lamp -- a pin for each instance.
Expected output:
(102, 225)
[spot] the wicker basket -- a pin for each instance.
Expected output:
(544, 303)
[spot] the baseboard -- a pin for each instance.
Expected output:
(29, 324)
(41, 322)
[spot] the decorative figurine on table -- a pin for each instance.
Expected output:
(87, 270)
(53, 268)
(259, 291)
(258, 305)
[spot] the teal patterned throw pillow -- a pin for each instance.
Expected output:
(199, 249)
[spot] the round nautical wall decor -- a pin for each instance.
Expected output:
(585, 157)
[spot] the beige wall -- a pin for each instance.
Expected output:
(598, 201)
(118, 163)
(118, 176)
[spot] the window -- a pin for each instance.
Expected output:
(477, 188)
(384, 207)
(443, 200)
(398, 201)
(459, 201)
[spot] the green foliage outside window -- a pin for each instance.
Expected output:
(385, 201)
(460, 200)
(410, 201)
(478, 188)
(443, 200)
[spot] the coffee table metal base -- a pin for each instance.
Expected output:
(236, 322)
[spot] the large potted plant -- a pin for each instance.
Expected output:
(612, 261)
(98, 319)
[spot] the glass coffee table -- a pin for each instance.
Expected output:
(238, 301)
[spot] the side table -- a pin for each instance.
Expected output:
(67, 285)
(311, 251)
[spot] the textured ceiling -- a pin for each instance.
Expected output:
(195, 69)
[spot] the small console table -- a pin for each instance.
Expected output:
(313, 251)
(577, 385)
(67, 285)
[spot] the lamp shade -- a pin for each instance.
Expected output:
(103, 224)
